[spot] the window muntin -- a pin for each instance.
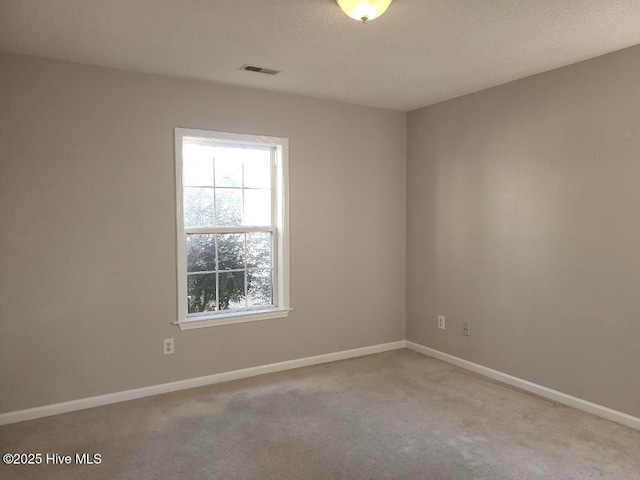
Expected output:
(229, 271)
(226, 185)
(231, 224)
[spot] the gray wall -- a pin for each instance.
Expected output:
(523, 213)
(87, 244)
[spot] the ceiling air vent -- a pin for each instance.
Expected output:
(253, 68)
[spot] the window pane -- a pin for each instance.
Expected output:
(228, 206)
(257, 169)
(232, 290)
(228, 167)
(257, 207)
(197, 161)
(198, 207)
(259, 288)
(201, 292)
(201, 253)
(259, 250)
(231, 251)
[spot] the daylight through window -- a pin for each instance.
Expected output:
(231, 224)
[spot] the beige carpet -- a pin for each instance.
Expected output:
(396, 415)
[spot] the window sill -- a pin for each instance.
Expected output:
(231, 318)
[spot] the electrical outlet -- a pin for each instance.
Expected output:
(168, 346)
(441, 323)
(465, 329)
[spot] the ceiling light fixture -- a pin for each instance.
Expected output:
(364, 10)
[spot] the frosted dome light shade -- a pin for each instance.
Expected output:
(364, 10)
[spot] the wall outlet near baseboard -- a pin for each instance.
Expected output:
(441, 323)
(167, 346)
(465, 329)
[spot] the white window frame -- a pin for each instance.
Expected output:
(280, 225)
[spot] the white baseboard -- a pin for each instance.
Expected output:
(90, 402)
(558, 397)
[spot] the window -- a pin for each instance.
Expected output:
(231, 196)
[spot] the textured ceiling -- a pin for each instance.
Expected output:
(420, 52)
